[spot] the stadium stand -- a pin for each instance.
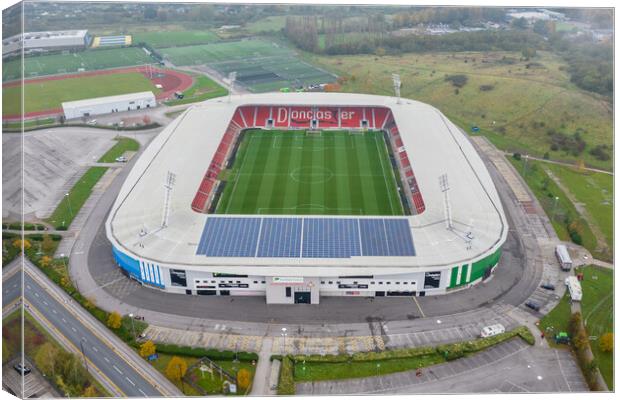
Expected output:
(302, 117)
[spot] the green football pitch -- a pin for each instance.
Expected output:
(293, 172)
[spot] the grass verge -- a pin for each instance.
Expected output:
(122, 145)
(71, 204)
(360, 365)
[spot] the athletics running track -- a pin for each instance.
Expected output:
(171, 81)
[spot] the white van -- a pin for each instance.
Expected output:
(492, 330)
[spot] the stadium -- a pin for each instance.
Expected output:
(294, 196)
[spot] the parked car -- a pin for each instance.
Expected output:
(562, 338)
(121, 159)
(22, 369)
(548, 286)
(92, 122)
(492, 330)
(533, 305)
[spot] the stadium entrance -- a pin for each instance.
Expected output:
(302, 297)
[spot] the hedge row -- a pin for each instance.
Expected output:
(581, 346)
(27, 226)
(449, 351)
(34, 236)
(213, 354)
(286, 381)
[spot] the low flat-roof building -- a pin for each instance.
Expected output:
(45, 41)
(109, 104)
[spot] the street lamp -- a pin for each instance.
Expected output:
(283, 340)
(69, 204)
(555, 204)
(525, 165)
(133, 331)
(83, 355)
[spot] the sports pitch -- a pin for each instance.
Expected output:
(68, 63)
(260, 65)
(49, 94)
(294, 172)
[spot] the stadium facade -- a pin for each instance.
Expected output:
(165, 235)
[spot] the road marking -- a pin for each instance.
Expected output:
(95, 349)
(140, 390)
(106, 359)
(64, 320)
(130, 380)
(419, 308)
(36, 294)
(117, 370)
(54, 311)
(73, 329)
(28, 286)
(45, 302)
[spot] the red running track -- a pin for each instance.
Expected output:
(172, 81)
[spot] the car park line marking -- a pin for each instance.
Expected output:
(54, 311)
(419, 308)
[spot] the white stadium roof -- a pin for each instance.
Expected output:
(434, 144)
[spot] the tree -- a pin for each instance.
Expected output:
(18, 244)
(114, 320)
(47, 244)
(243, 378)
(45, 358)
(45, 261)
(176, 369)
(147, 348)
(607, 342)
(90, 391)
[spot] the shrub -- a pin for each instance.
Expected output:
(600, 152)
(114, 320)
(286, 383)
(607, 342)
(516, 156)
(486, 88)
(457, 81)
(198, 352)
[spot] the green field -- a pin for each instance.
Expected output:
(597, 310)
(521, 103)
(291, 172)
(69, 63)
(595, 192)
(162, 39)
(50, 94)
(214, 52)
(260, 65)
(202, 89)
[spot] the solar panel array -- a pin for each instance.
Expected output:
(306, 237)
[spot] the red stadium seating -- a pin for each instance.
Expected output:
(351, 117)
(301, 117)
(262, 115)
(381, 117)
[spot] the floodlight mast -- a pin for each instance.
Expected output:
(231, 82)
(445, 188)
(170, 180)
(397, 84)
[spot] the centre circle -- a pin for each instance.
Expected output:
(312, 174)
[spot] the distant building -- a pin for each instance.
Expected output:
(33, 42)
(109, 104)
(537, 14)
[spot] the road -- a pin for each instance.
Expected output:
(119, 366)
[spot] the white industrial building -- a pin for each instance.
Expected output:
(33, 42)
(109, 104)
